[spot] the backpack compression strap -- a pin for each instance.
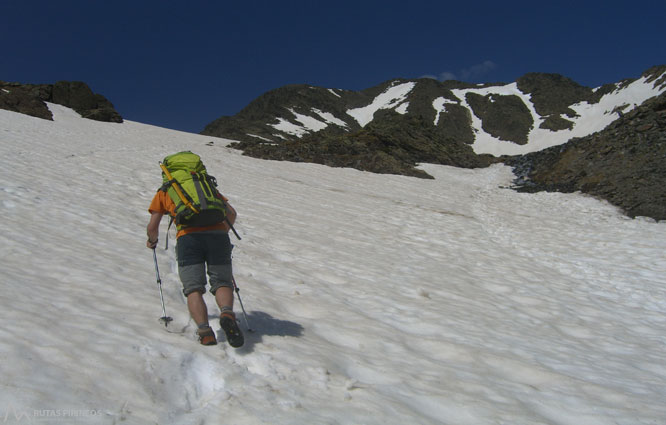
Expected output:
(176, 187)
(200, 191)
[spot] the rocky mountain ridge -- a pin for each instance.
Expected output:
(30, 99)
(535, 112)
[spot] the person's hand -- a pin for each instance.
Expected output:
(152, 244)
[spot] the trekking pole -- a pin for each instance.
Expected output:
(164, 319)
(240, 301)
(231, 226)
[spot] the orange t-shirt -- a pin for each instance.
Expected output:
(163, 204)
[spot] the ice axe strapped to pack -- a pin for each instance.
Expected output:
(186, 200)
(193, 191)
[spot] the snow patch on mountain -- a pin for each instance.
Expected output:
(329, 118)
(402, 108)
(594, 117)
(440, 107)
(393, 97)
(308, 124)
(288, 127)
(260, 137)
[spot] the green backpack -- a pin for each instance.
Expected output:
(192, 190)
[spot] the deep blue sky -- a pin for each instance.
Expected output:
(181, 64)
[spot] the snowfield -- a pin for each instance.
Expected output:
(375, 299)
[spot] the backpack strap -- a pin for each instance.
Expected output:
(200, 192)
(171, 220)
(164, 187)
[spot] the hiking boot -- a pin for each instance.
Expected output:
(231, 329)
(206, 336)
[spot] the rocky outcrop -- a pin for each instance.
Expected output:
(256, 122)
(25, 99)
(504, 117)
(624, 163)
(394, 145)
(259, 121)
(552, 96)
(30, 99)
(78, 96)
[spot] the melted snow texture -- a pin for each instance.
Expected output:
(376, 299)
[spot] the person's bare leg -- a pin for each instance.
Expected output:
(224, 297)
(197, 307)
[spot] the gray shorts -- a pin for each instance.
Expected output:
(202, 253)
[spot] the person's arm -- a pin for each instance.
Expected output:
(153, 229)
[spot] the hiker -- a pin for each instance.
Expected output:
(201, 250)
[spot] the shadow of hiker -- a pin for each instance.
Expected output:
(263, 324)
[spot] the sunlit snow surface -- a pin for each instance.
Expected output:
(376, 299)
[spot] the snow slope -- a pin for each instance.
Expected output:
(376, 299)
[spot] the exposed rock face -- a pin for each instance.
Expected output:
(257, 120)
(389, 146)
(78, 96)
(624, 164)
(553, 95)
(391, 143)
(505, 117)
(30, 99)
(25, 99)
